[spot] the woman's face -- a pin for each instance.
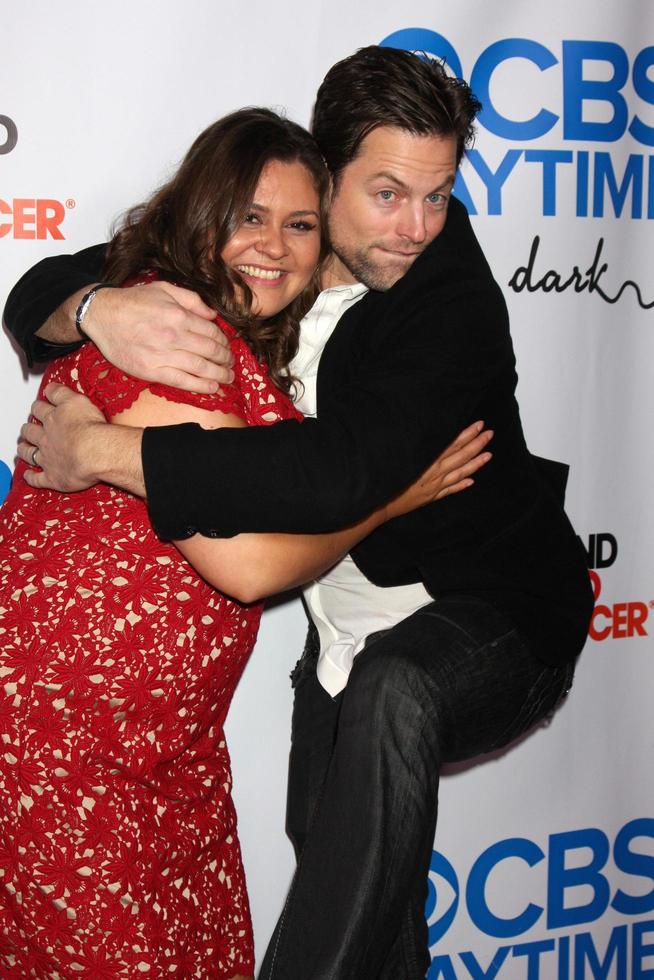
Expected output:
(276, 249)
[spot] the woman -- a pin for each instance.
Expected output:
(118, 658)
(119, 661)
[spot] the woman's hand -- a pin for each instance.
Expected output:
(450, 473)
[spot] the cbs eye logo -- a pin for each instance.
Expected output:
(442, 897)
(8, 134)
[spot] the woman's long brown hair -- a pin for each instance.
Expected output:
(181, 231)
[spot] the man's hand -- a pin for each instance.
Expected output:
(161, 333)
(448, 474)
(74, 447)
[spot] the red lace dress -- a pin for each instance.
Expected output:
(118, 847)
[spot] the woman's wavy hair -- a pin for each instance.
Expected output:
(181, 231)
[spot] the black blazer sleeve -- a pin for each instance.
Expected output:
(41, 290)
(408, 370)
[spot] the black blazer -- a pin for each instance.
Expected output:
(402, 374)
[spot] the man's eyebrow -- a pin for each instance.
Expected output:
(292, 214)
(391, 178)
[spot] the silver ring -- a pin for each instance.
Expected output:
(33, 456)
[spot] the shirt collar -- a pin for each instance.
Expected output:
(348, 290)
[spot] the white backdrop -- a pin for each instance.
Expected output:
(545, 863)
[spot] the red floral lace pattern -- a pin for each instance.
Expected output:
(118, 847)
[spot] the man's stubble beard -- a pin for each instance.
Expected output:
(364, 269)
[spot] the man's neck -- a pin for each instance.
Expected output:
(334, 273)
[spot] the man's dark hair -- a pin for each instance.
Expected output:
(388, 87)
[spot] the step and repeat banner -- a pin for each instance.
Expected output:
(544, 859)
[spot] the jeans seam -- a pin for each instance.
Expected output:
(436, 614)
(291, 891)
(400, 823)
(409, 946)
(530, 710)
(278, 937)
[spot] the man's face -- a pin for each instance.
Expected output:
(390, 203)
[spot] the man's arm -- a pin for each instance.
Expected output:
(403, 372)
(32, 312)
(81, 448)
(367, 444)
(157, 331)
(249, 566)
(444, 342)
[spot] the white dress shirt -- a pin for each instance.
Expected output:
(345, 607)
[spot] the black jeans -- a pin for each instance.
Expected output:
(448, 683)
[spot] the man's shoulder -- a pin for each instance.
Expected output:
(448, 296)
(455, 253)
(452, 269)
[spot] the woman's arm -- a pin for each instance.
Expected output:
(248, 566)
(254, 565)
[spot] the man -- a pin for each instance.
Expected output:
(469, 633)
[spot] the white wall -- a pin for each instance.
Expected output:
(106, 99)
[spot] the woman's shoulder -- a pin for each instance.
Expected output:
(113, 390)
(264, 403)
(252, 396)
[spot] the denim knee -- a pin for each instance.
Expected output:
(386, 689)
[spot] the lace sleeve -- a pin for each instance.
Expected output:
(252, 396)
